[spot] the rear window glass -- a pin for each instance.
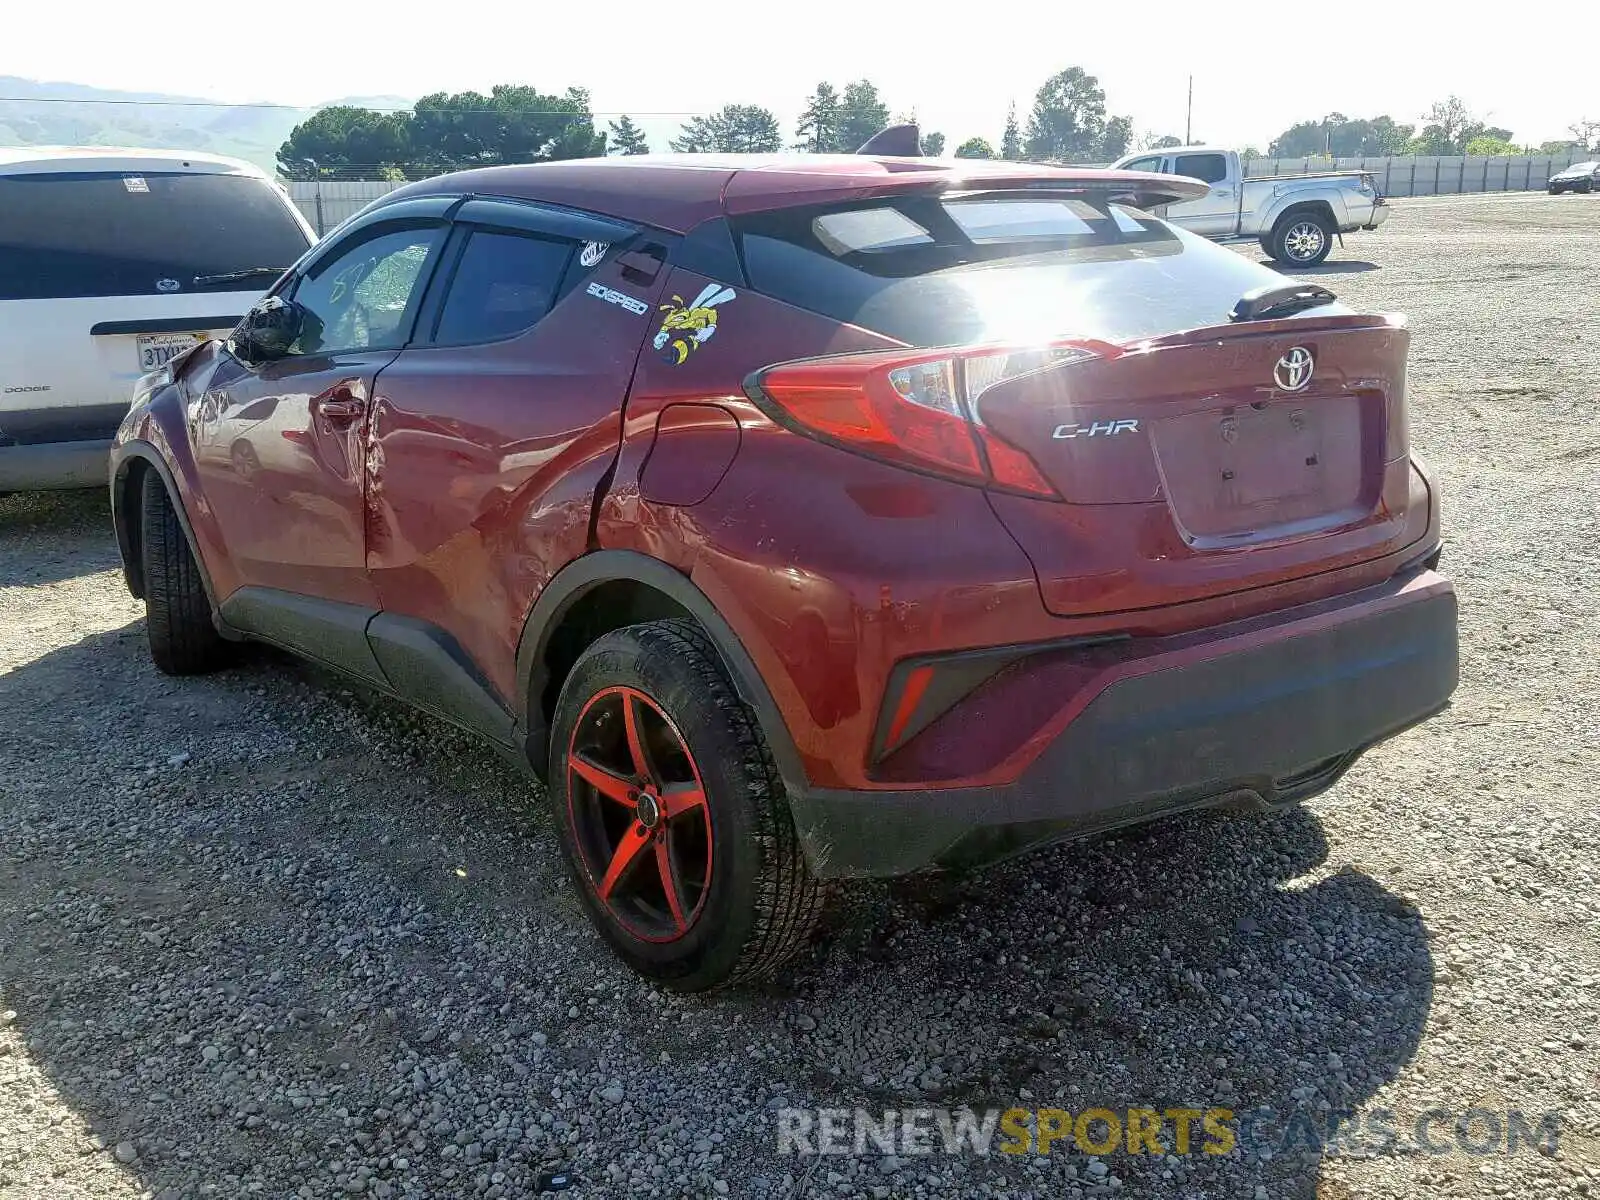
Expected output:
(127, 234)
(939, 271)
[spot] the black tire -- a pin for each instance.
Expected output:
(1555, 191)
(757, 902)
(1301, 239)
(177, 613)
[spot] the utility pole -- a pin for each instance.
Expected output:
(1188, 120)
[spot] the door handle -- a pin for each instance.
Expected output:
(340, 405)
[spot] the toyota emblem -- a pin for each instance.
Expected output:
(1293, 372)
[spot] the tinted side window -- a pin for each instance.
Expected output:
(361, 298)
(97, 233)
(503, 284)
(1212, 168)
(1151, 164)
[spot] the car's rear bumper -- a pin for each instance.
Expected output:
(1266, 712)
(55, 465)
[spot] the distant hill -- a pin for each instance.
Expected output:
(53, 114)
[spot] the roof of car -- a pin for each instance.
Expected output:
(678, 191)
(23, 160)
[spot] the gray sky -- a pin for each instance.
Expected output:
(958, 65)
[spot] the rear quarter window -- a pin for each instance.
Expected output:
(1209, 168)
(951, 270)
(125, 234)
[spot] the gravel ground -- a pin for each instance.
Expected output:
(261, 934)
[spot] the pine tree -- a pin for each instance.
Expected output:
(734, 129)
(862, 113)
(1011, 140)
(628, 138)
(818, 129)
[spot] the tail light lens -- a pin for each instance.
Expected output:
(919, 408)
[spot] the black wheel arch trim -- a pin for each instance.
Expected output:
(599, 567)
(124, 515)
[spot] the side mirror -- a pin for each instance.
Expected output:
(269, 330)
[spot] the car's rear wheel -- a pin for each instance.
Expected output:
(1301, 239)
(177, 612)
(674, 820)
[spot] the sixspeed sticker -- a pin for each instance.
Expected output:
(621, 299)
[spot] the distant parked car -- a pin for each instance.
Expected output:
(1294, 217)
(111, 263)
(1579, 177)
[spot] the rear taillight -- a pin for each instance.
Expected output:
(919, 408)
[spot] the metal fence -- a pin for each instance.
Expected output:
(327, 202)
(1412, 175)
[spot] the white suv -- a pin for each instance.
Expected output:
(111, 263)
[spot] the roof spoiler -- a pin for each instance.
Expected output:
(897, 141)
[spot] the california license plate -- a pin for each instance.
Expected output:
(158, 349)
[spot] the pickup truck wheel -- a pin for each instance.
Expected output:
(177, 613)
(1301, 239)
(674, 821)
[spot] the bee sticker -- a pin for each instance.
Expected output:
(688, 326)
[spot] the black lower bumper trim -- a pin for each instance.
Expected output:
(1262, 723)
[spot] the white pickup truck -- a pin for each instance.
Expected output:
(1294, 217)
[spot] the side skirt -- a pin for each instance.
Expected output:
(412, 660)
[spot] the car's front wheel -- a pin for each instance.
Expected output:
(1301, 239)
(177, 612)
(674, 820)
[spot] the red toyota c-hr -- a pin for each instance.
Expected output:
(808, 517)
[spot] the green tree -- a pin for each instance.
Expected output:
(1115, 138)
(345, 142)
(1488, 146)
(735, 129)
(1342, 137)
(627, 138)
(862, 113)
(976, 147)
(818, 130)
(512, 124)
(1011, 140)
(1068, 120)
(1450, 127)
(932, 145)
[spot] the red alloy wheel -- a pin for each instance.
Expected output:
(639, 815)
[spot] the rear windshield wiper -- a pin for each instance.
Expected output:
(237, 276)
(1279, 300)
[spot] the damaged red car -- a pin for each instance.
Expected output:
(808, 518)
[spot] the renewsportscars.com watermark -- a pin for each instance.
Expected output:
(1102, 1132)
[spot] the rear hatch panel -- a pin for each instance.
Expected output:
(1190, 470)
